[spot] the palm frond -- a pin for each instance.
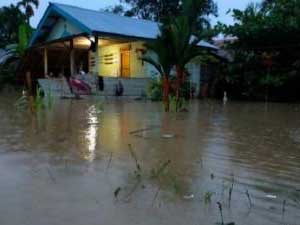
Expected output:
(36, 3)
(154, 63)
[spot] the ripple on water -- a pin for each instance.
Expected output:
(78, 157)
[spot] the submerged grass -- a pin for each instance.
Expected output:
(231, 190)
(208, 197)
(39, 101)
(138, 169)
(161, 174)
(222, 216)
(155, 173)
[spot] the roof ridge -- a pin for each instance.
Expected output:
(104, 12)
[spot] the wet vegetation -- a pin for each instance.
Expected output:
(36, 104)
(167, 182)
(266, 52)
(153, 172)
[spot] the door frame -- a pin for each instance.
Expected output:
(122, 53)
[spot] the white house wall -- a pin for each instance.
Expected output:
(112, 68)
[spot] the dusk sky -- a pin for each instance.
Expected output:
(223, 6)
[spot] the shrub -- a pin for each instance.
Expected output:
(155, 91)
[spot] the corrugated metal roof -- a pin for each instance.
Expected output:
(109, 23)
(106, 22)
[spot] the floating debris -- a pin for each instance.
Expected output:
(188, 197)
(271, 196)
(167, 136)
(143, 130)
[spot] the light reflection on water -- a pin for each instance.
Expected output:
(91, 133)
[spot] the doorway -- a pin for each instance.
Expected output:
(125, 63)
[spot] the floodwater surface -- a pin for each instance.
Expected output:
(117, 162)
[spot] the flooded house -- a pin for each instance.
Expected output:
(102, 48)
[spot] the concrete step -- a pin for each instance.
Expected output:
(131, 86)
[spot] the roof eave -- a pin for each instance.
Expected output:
(53, 8)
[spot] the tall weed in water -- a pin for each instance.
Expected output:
(249, 199)
(50, 98)
(230, 191)
(221, 215)
(21, 103)
(40, 102)
(159, 173)
(208, 196)
(138, 169)
(177, 105)
(155, 173)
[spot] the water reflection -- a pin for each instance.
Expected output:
(91, 134)
(260, 148)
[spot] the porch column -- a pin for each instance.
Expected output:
(72, 60)
(97, 56)
(46, 61)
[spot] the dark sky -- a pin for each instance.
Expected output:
(223, 6)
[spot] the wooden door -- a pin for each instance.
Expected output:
(125, 64)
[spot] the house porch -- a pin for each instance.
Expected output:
(114, 59)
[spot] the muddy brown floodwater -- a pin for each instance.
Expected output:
(72, 164)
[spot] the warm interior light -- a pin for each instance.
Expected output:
(92, 38)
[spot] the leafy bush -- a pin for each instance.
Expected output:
(155, 91)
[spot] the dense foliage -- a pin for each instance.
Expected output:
(176, 46)
(10, 20)
(15, 32)
(159, 10)
(267, 56)
(28, 7)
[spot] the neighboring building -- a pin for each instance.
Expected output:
(69, 39)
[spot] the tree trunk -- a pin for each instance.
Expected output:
(166, 91)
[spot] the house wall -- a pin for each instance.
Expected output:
(110, 60)
(112, 66)
(194, 68)
(61, 29)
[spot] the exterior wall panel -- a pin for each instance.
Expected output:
(61, 29)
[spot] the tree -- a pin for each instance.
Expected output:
(186, 33)
(162, 60)
(152, 9)
(176, 44)
(117, 9)
(267, 51)
(158, 10)
(10, 20)
(28, 5)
